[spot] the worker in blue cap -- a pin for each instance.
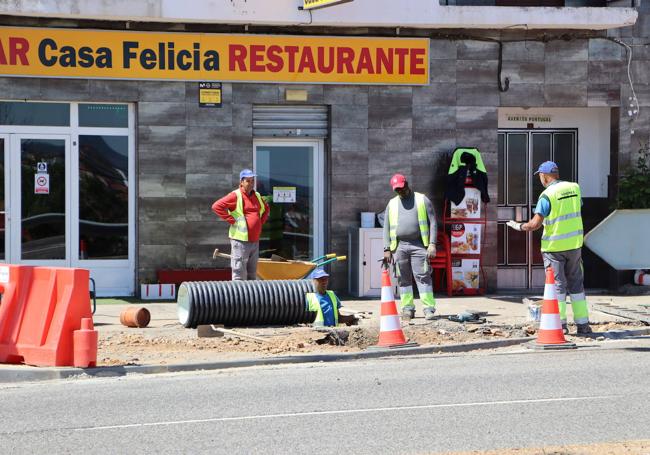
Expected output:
(559, 211)
(325, 303)
(246, 212)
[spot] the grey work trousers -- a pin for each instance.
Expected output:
(412, 262)
(243, 259)
(567, 268)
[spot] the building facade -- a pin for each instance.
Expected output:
(118, 173)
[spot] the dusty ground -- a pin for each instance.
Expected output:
(609, 448)
(173, 344)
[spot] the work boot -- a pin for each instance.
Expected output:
(429, 313)
(565, 328)
(584, 329)
(408, 313)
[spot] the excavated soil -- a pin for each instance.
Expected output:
(174, 344)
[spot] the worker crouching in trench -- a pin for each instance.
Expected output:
(325, 303)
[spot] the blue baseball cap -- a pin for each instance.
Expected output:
(548, 167)
(246, 173)
(319, 273)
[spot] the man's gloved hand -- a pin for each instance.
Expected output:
(431, 251)
(514, 225)
(388, 257)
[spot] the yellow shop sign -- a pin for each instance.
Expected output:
(313, 4)
(100, 54)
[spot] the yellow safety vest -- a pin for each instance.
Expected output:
(563, 226)
(313, 304)
(423, 219)
(239, 230)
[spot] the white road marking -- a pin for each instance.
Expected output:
(344, 411)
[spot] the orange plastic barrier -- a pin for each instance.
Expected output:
(41, 308)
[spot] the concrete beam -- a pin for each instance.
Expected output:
(426, 14)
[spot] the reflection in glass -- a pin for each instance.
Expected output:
(2, 200)
(541, 153)
(289, 231)
(42, 114)
(42, 229)
(563, 154)
(502, 169)
(103, 197)
(104, 115)
(517, 174)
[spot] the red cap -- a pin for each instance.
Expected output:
(397, 181)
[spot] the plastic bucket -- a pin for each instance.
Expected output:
(367, 219)
(534, 311)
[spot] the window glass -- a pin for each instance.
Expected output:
(517, 242)
(541, 153)
(104, 115)
(103, 197)
(517, 174)
(563, 154)
(502, 169)
(501, 244)
(28, 114)
(43, 196)
(287, 171)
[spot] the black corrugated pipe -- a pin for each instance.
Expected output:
(244, 303)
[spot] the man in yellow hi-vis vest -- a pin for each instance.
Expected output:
(410, 237)
(559, 211)
(325, 303)
(246, 212)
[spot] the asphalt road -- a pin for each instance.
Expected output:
(397, 405)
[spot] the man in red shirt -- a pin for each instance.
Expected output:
(246, 212)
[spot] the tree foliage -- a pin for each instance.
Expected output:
(634, 187)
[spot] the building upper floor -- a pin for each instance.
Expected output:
(423, 14)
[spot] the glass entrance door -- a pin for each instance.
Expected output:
(39, 224)
(290, 177)
(520, 263)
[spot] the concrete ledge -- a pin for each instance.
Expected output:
(22, 373)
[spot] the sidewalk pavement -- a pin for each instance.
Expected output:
(501, 309)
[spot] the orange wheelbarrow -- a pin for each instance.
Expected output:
(278, 268)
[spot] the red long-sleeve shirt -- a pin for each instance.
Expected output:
(228, 203)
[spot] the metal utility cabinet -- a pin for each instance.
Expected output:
(366, 250)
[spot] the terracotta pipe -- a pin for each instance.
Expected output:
(135, 316)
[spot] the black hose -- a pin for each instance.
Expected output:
(244, 303)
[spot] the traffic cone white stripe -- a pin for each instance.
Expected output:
(550, 322)
(387, 294)
(550, 325)
(390, 327)
(549, 292)
(389, 323)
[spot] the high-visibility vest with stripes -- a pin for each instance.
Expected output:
(313, 304)
(423, 219)
(563, 226)
(239, 230)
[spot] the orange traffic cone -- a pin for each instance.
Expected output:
(550, 327)
(390, 328)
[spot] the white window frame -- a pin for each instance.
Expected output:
(16, 202)
(318, 170)
(98, 267)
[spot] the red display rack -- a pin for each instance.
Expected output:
(467, 239)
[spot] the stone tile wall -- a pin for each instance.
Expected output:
(188, 156)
